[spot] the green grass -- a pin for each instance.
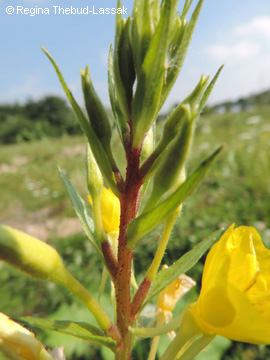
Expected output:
(237, 189)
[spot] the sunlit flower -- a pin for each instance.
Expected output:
(110, 210)
(18, 343)
(235, 298)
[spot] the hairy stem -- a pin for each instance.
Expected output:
(129, 206)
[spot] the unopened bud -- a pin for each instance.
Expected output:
(170, 170)
(31, 256)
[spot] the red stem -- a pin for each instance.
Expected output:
(109, 258)
(139, 297)
(129, 205)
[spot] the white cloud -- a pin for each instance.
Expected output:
(239, 50)
(243, 42)
(259, 26)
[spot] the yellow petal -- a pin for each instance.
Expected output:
(110, 210)
(235, 297)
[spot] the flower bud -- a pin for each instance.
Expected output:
(171, 167)
(110, 210)
(30, 255)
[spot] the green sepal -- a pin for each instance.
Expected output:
(174, 159)
(171, 128)
(181, 266)
(146, 222)
(208, 90)
(179, 48)
(119, 117)
(97, 148)
(83, 213)
(151, 76)
(80, 330)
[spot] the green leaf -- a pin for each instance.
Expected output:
(181, 48)
(150, 80)
(209, 89)
(97, 148)
(119, 87)
(122, 125)
(146, 222)
(181, 266)
(83, 213)
(79, 330)
(126, 63)
(141, 31)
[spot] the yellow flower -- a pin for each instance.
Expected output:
(235, 298)
(110, 210)
(18, 343)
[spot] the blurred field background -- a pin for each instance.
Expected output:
(33, 199)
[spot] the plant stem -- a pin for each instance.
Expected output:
(129, 205)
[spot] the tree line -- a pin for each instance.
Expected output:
(48, 117)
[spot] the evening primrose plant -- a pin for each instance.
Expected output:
(125, 206)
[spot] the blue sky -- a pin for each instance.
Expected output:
(234, 32)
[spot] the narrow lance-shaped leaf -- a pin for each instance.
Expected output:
(79, 330)
(119, 117)
(97, 148)
(119, 87)
(146, 30)
(146, 222)
(150, 80)
(208, 90)
(179, 56)
(141, 32)
(186, 8)
(181, 266)
(155, 13)
(126, 64)
(83, 213)
(98, 117)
